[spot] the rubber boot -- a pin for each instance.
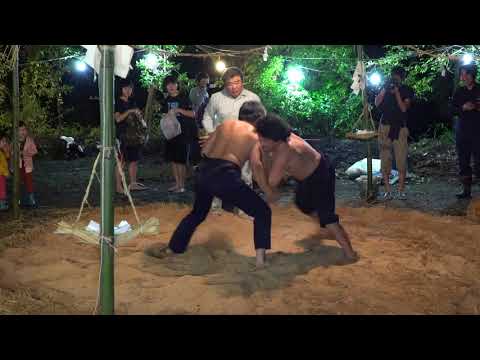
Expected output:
(3, 205)
(31, 200)
(23, 202)
(467, 188)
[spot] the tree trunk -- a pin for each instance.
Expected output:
(16, 145)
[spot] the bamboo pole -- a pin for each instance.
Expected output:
(16, 145)
(106, 83)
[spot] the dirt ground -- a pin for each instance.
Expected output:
(432, 267)
(416, 257)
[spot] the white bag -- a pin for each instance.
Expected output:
(360, 168)
(170, 126)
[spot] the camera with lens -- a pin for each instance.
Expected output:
(391, 84)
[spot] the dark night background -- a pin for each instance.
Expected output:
(84, 96)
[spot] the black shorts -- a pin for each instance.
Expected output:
(181, 151)
(176, 150)
(130, 153)
(316, 194)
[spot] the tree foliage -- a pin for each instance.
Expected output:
(40, 85)
(324, 101)
(424, 64)
(165, 66)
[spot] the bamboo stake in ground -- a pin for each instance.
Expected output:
(106, 82)
(16, 145)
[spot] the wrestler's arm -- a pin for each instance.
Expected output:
(278, 167)
(207, 145)
(259, 175)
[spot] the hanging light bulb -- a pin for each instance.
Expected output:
(220, 66)
(151, 61)
(295, 75)
(467, 59)
(375, 79)
(81, 66)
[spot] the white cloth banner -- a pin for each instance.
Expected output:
(358, 78)
(123, 57)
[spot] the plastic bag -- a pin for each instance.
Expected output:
(170, 126)
(360, 168)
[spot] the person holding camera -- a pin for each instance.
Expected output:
(394, 101)
(466, 105)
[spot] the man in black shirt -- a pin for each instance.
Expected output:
(466, 105)
(393, 101)
(125, 108)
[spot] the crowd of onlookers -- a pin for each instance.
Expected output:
(195, 112)
(199, 112)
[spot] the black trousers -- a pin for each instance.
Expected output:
(316, 194)
(222, 179)
(467, 140)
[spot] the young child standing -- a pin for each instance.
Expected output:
(28, 150)
(4, 172)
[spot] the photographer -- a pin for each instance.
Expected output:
(466, 105)
(394, 101)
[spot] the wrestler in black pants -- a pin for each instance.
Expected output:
(223, 179)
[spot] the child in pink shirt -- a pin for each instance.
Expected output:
(28, 150)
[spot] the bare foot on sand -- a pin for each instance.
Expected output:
(261, 258)
(158, 252)
(350, 257)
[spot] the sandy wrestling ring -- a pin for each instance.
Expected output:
(411, 263)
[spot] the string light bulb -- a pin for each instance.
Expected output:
(220, 66)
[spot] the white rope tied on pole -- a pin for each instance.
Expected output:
(87, 192)
(124, 183)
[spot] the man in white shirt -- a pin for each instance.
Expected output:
(225, 105)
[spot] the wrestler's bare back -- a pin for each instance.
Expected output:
(233, 140)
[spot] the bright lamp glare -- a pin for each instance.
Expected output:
(375, 79)
(220, 66)
(467, 59)
(295, 75)
(151, 61)
(81, 66)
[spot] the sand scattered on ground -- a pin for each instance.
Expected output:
(411, 263)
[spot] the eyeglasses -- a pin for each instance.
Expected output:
(238, 82)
